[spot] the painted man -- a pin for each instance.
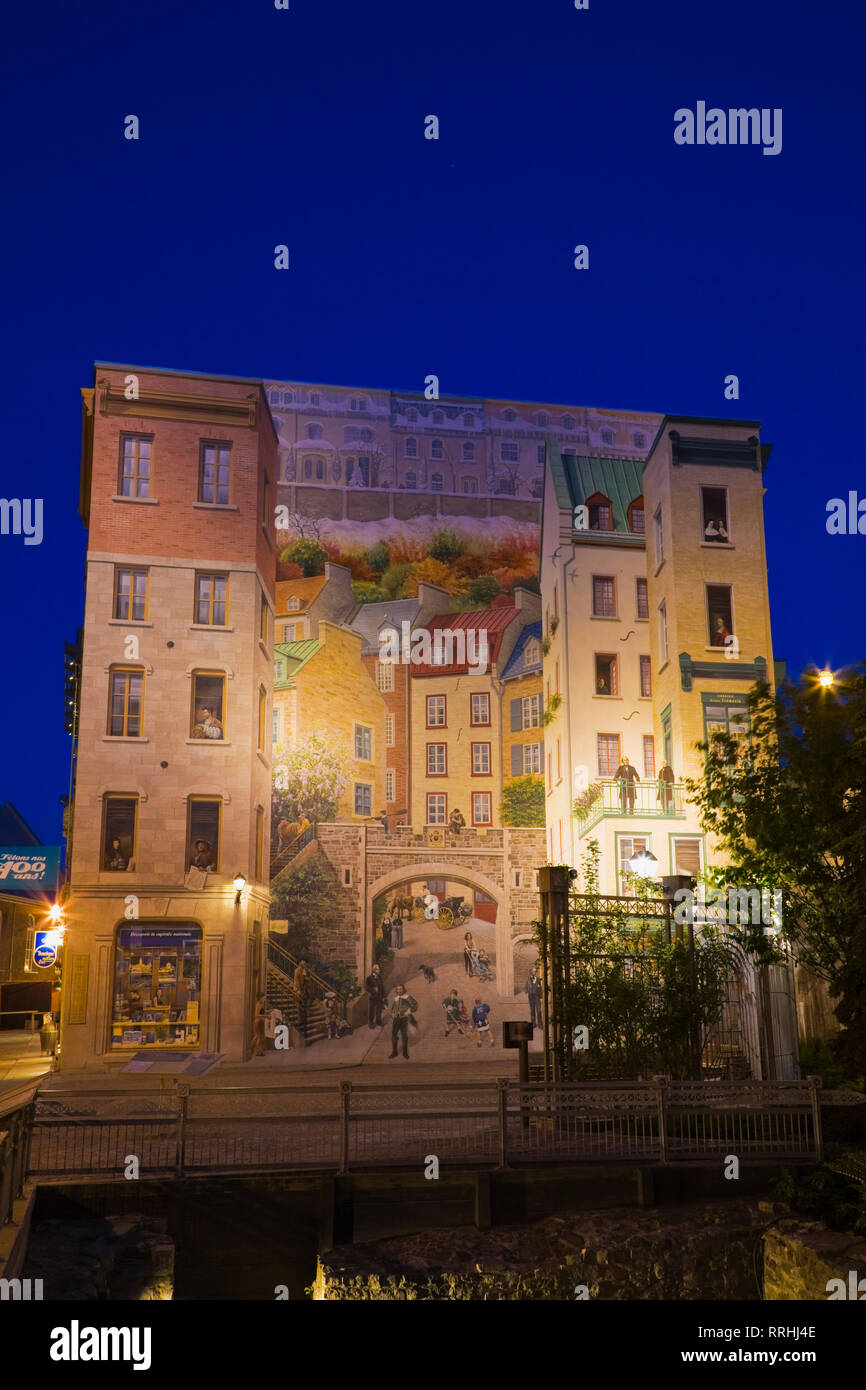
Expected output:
(453, 1007)
(627, 779)
(403, 1008)
(375, 997)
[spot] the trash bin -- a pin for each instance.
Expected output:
(48, 1039)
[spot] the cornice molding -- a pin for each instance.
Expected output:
(716, 670)
(168, 405)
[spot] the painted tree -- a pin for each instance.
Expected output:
(523, 801)
(309, 776)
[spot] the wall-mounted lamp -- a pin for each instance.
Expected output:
(240, 884)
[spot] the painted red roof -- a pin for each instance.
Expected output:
(490, 621)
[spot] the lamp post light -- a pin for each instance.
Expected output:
(644, 864)
(826, 679)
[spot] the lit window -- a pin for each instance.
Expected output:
(157, 985)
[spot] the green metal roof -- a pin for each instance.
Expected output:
(297, 654)
(577, 477)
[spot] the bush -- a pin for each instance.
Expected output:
(482, 590)
(377, 557)
(446, 545)
(307, 554)
(523, 801)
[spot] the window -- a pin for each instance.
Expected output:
(667, 737)
(126, 703)
(435, 711)
(119, 825)
(468, 451)
(275, 726)
(482, 812)
(663, 630)
(508, 414)
(436, 449)
(606, 675)
(384, 675)
(263, 617)
(258, 872)
(603, 596)
(436, 808)
(157, 986)
(207, 717)
(645, 677)
(315, 398)
(411, 480)
(479, 708)
(204, 816)
(436, 482)
(211, 595)
(411, 448)
(550, 772)
(686, 856)
(714, 515)
(558, 760)
(642, 599)
(627, 847)
(308, 468)
(636, 517)
(263, 717)
(314, 431)
(289, 632)
(527, 758)
(213, 474)
(336, 470)
(320, 469)
(724, 717)
(649, 756)
(438, 417)
(130, 595)
(532, 652)
(294, 604)
(389, 731)
(542, 417)
(363, 742)
(540, 453)
(468, 420)
(389, 785)
(720, 623)
(600, 512)
(287, 398)
(659, 536)
(363, 799)
(526, 712)
(135, 465)
(608, 754)
(509, 451)
(481, 760)
(607, 436)
(437, 764)
(411, 413)
(470, 485)
(639, 441)
(506, 487)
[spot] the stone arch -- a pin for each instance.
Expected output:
(458, 872)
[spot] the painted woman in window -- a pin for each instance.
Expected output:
(203, 858)
(116, 860)
(208, 725)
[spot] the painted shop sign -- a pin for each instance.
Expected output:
(26, 867)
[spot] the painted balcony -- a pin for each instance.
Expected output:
(652, 800)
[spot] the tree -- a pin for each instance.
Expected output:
(310, 776)
(446, 545)
(790, 812)
(377, 557)
(523, 801)
(310, 554)
(306, 896)
(482, 590)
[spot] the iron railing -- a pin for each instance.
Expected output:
(16, 1122)
(502, 1123)
(650, 799)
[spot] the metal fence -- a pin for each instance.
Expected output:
(502, 1123)
(16, 1119)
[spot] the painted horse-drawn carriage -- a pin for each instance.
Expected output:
(451, 911)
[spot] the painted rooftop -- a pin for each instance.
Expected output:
(576, 477)
(517, 663)
(290, 657)
(491, 621)
(305, 590)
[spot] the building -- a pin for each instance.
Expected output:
(24, 984)
(323, 688)
(657, 618)
(173, 781)
(523, 707)
(300, 603)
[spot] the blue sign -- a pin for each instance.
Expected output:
(44, 949)
(28, 868)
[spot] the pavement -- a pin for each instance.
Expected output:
(21, 1059)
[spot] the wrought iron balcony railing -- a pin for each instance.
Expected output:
(644, 799)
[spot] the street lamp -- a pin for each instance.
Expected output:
(240, 884)
(644, 864)
(826, 679)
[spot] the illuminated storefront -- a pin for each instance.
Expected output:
(157, 986)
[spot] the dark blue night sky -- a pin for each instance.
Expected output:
(411, 256)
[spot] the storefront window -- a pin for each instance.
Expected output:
(157, 986)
